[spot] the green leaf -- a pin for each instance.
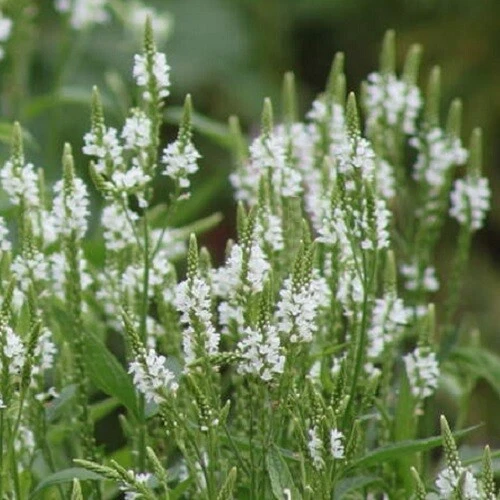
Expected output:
(55, 408)
(404, 430)
(76, 96)
(215, 131)
(479, 458)
(102, 408)
(65, 476)
(279, 475)
(481, 363)
(107, 373)
(351, 484)
(201, 225)
(180, 489)
(395, 451)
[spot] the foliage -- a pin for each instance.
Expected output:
(303, 366)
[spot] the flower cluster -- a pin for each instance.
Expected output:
(390, 101)
(5, 32)
(422, 370)
(276, 372)
(151, 377)
(84, 13)
(316, 447)
(470, 201)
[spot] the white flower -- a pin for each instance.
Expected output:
(5, 28)
(392, 101)
(180, 160)
(336, 444)
(385, 180)
(84, 13)
(58, 270)
(227, 280)
(21, 184)
(415, 279)
(5, 31)
(193, 301)
(158, 75)
(470, 201)
(13, 350)
(105, 145)
(151, 377)
(137, 14)
(129, 488)
(45, 351)
(356, 153)
(132, 180)
(24, 445)
(315, 447)
(71, 210)
(448, 480)
(438, 153)
(137, 131)
(382, 218)
(270, 230)
(5, 244)
(271, 153)
(298, 307)
(117, 227)
(34, 267)
(422, 369)
(350, 290)
(260, 350)
(388, 317)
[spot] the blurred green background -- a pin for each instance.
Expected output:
(230, 54)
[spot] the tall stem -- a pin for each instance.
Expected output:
(144, 336)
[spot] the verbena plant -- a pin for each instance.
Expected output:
(304, 366)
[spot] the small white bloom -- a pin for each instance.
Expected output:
(151, 377)
(336, 444)
(84, 13)
(158, 74)
(137, 131)
(45, 351)
(261, 352)
(438, 153)
(193, 301)
(137, 14)
(5, 244)
(21, 184)
(180, 160)
(13, 350)
(388, 317)
(422, 369)
(416, 279)
(105, 145)
(392, 101)
(299, 306)
(26, 269)
(315, 446)
(71, 210)
(470, 201)
(117, 227)
(448, 480)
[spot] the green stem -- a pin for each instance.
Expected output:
(144, 337)
(14, 471)
(235, 450)
(361, 338)
(1, 451)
